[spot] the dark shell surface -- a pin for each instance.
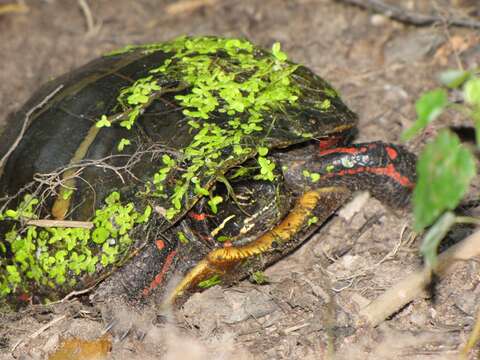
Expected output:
(57, 128)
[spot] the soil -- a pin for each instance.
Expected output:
(309, 308)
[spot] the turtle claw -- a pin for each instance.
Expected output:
(123, 321)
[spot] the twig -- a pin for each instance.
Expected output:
(414, 285)
(472, 339)
(26, 122)
(185, 6)
(91, 27)
(61, 223)
(13, 8)
(295, 328)
(410, 17)
(38, 332)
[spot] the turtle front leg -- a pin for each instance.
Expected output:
(311, 209)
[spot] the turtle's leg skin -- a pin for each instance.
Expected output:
(312, 208)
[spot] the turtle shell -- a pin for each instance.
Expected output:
(131, 141)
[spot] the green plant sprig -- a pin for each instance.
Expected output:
(445, 167)
(225, 76)
(55, 256)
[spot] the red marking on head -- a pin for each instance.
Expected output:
(196, 216)
(160, 244)
(344, 150)
(159, 277)
(227, 244)
(392, 153)
(388, 170)
(392, 173)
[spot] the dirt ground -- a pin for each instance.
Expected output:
(309, 310)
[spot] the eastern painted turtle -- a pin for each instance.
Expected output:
(204, 156)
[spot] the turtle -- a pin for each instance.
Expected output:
(204, 157)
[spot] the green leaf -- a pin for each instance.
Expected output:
(214, 280)
(99, 235)
(13, 274)
(429, 107)
(266, 169)
(182, 237)
(279, 55)
(123, 142)
(167, 160)
(66, 193)
(12, 214)
(471, 91)
(170, 213)
(112, 198)
(445, 169)
(200, 190)
(213, 202)
(103, 122)
(259, 277)
(262, 151)
(454, 78)
(145, 216)
(314, 177)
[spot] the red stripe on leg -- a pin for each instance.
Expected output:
(159, 277)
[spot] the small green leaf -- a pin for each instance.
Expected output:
(103, 122)
(279, 55)
(66, 193)
(259, 277)
(11, 214)
(182, 237)
(445, 169)
(429, 107)
(325, 105)
(145, 216)
(314, 177)
(213, 202)
(262, 151)
(170, 213)
(112, 198)
(214, 280)
(454, 78)
(312, 220)
(266, 169)
(99, 235)
(123, 142)
(200, 190)
(471, 91)
(167, 160)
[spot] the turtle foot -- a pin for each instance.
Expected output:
(232, 263)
